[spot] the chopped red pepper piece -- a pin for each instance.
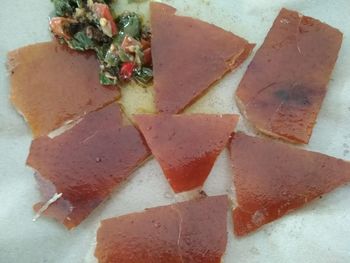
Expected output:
(102, 11)
(58, 24)
(147, 57)
(129, 44)
(145, 43)
(126, 70)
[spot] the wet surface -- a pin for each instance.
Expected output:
(186, 146)
(51, 84)
(86, 163)
(190, 59)
(272, 179)
(193, 231)
(284, 86)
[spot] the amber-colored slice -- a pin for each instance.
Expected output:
(283, 88)
(189, 56)
(51, 84)
(186, 146)
(86, 163)
(272, 179)
(193, 231)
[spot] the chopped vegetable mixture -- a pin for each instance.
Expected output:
(122, 43)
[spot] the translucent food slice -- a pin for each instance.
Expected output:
(186, 146)
(189, 56)
(51, 84)
(273, 178)
(193, 231)
(86, 163)
(283, 88)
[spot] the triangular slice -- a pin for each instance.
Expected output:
(193, 231)
(186, 146)
(189, 56)
(283, 88)
(81, 167)
(272, 179)
(51, 84)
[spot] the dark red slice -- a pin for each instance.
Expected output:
(189, 56)
(186, 146)
(86, 163)
(193, 231)
(51, 84)
(283, 88)
(272, 179)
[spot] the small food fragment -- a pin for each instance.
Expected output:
(51, 84)
(283, 88)
(86, 163)
(186, 146)
(272, 179)
(189, 56)
(193, 231)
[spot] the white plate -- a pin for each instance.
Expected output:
(320, 232)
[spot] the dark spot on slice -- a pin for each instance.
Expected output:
(297, 94)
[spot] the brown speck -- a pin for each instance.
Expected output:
(202, 193)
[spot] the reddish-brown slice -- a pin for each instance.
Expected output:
(51, 84)
(186, 146)
(86, 163)
(282, 91)
(189, 56)
(193, 232)
(272, 179)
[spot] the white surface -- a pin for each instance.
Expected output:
(318, 233)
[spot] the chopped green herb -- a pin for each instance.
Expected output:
(139, 56)
(130, 23)
(65, 7)
(117, 40)
(81, 42)
(111, 59)
(101, 52)
(105, 80)
(124, 56)
(143, 75)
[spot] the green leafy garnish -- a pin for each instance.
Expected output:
(101, 52)
(118, 39)
(130, 24)
(81, 42)
(105, 80)
(143, 75)
(65, 7)
(124, 56)
(111, 59)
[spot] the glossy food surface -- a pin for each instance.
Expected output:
(51, 84)
(189, 56)
(273, 178)
(86, 163)
(186, 146)
(283, 88)
(188, 232)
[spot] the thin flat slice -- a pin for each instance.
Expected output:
(86, 163)
(186, 146)
(51, 84)
(193, 231)
(272, 179)
(189, 56)
(283, 88)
